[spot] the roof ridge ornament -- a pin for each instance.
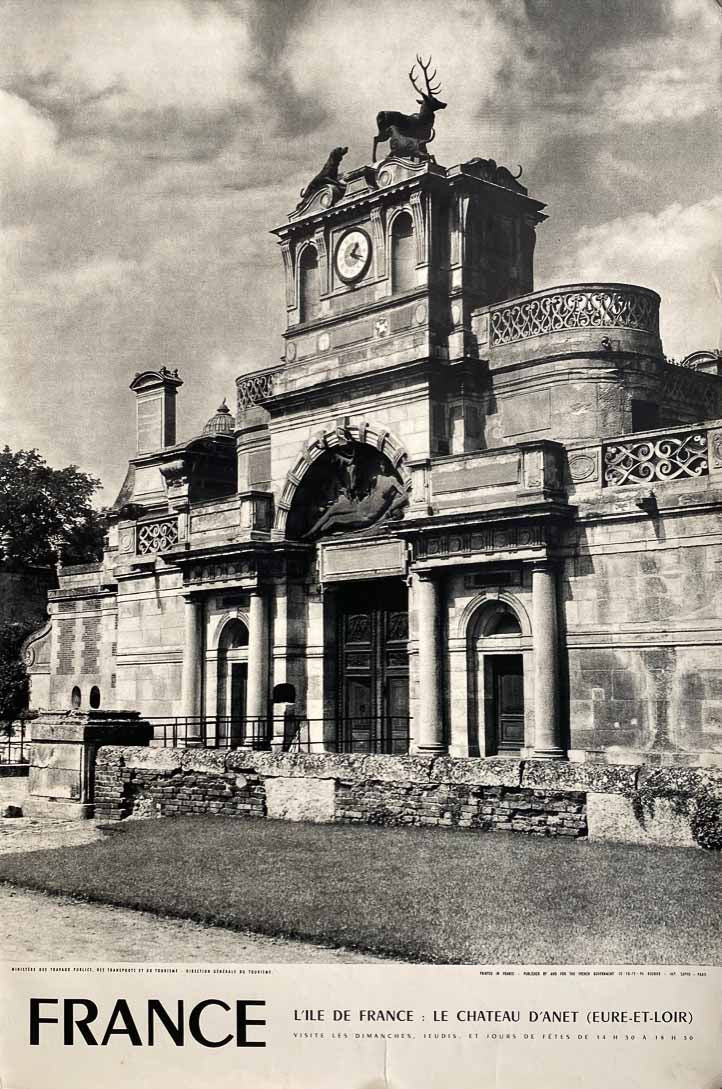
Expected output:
(408, 134)
(328, 179)
(221, 422)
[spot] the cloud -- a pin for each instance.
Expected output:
(594, 69)
(674, 251)
(154, 80)
(148, 146)
(38, 176)
(165, 52)
(355, 58)
(667, 79)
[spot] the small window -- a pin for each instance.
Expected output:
(645, 415)
(309, 285)
(75, 697)
(403, 254)
(234, 635)
(504, 624)
(284, 693)
(94, 698)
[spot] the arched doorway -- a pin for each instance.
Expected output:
(232, 683)
(497, 653)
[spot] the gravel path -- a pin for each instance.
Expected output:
(36, 833)
(34, 926)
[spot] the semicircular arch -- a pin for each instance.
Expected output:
(365, 432)
(221, 625)
(472, 615)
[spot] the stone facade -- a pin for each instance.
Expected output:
(461, 517)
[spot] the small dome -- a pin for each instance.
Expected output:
(222, 423)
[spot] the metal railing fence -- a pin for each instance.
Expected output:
(15, 743)
(388, 734)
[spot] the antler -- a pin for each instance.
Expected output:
(429, 78)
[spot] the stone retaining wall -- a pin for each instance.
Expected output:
(611, 802)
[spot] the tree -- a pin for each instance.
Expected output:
(14, 685)
(45, 513)
(45, 516)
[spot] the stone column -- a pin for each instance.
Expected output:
(547, 727)
(258, 652)
(430, 733)
(192, 664)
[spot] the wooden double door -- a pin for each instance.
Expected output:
(373, 668)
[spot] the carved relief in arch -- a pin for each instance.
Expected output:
(367, 481)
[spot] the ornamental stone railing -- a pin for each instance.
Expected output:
(576, 306)
(157, 536)
(671, 456)
(254, 388)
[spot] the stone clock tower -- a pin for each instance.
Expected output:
(383, 271)
(451, 520)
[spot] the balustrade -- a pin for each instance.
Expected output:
(667, 457)
(592, 306)
(157, 536)
(254, 388)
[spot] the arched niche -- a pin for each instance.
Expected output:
(403, 253)
(309, 284)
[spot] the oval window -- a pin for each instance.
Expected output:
(75, 697)
(94, 698)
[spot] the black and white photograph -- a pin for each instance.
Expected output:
(360, 544)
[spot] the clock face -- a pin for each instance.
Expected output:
(353, 255)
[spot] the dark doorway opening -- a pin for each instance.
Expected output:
(373, 668)
(232, 726)
(505, 680)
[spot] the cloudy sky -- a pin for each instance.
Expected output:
(148, 146)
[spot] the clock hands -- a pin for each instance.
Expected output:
(352, 256)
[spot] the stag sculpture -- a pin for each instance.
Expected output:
(409, 133)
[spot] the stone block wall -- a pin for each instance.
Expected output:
(641, 602)
(486, 808)
(150, 643)
(679, 807)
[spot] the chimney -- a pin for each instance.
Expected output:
(155, 393)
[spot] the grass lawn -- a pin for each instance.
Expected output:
(420, 894)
